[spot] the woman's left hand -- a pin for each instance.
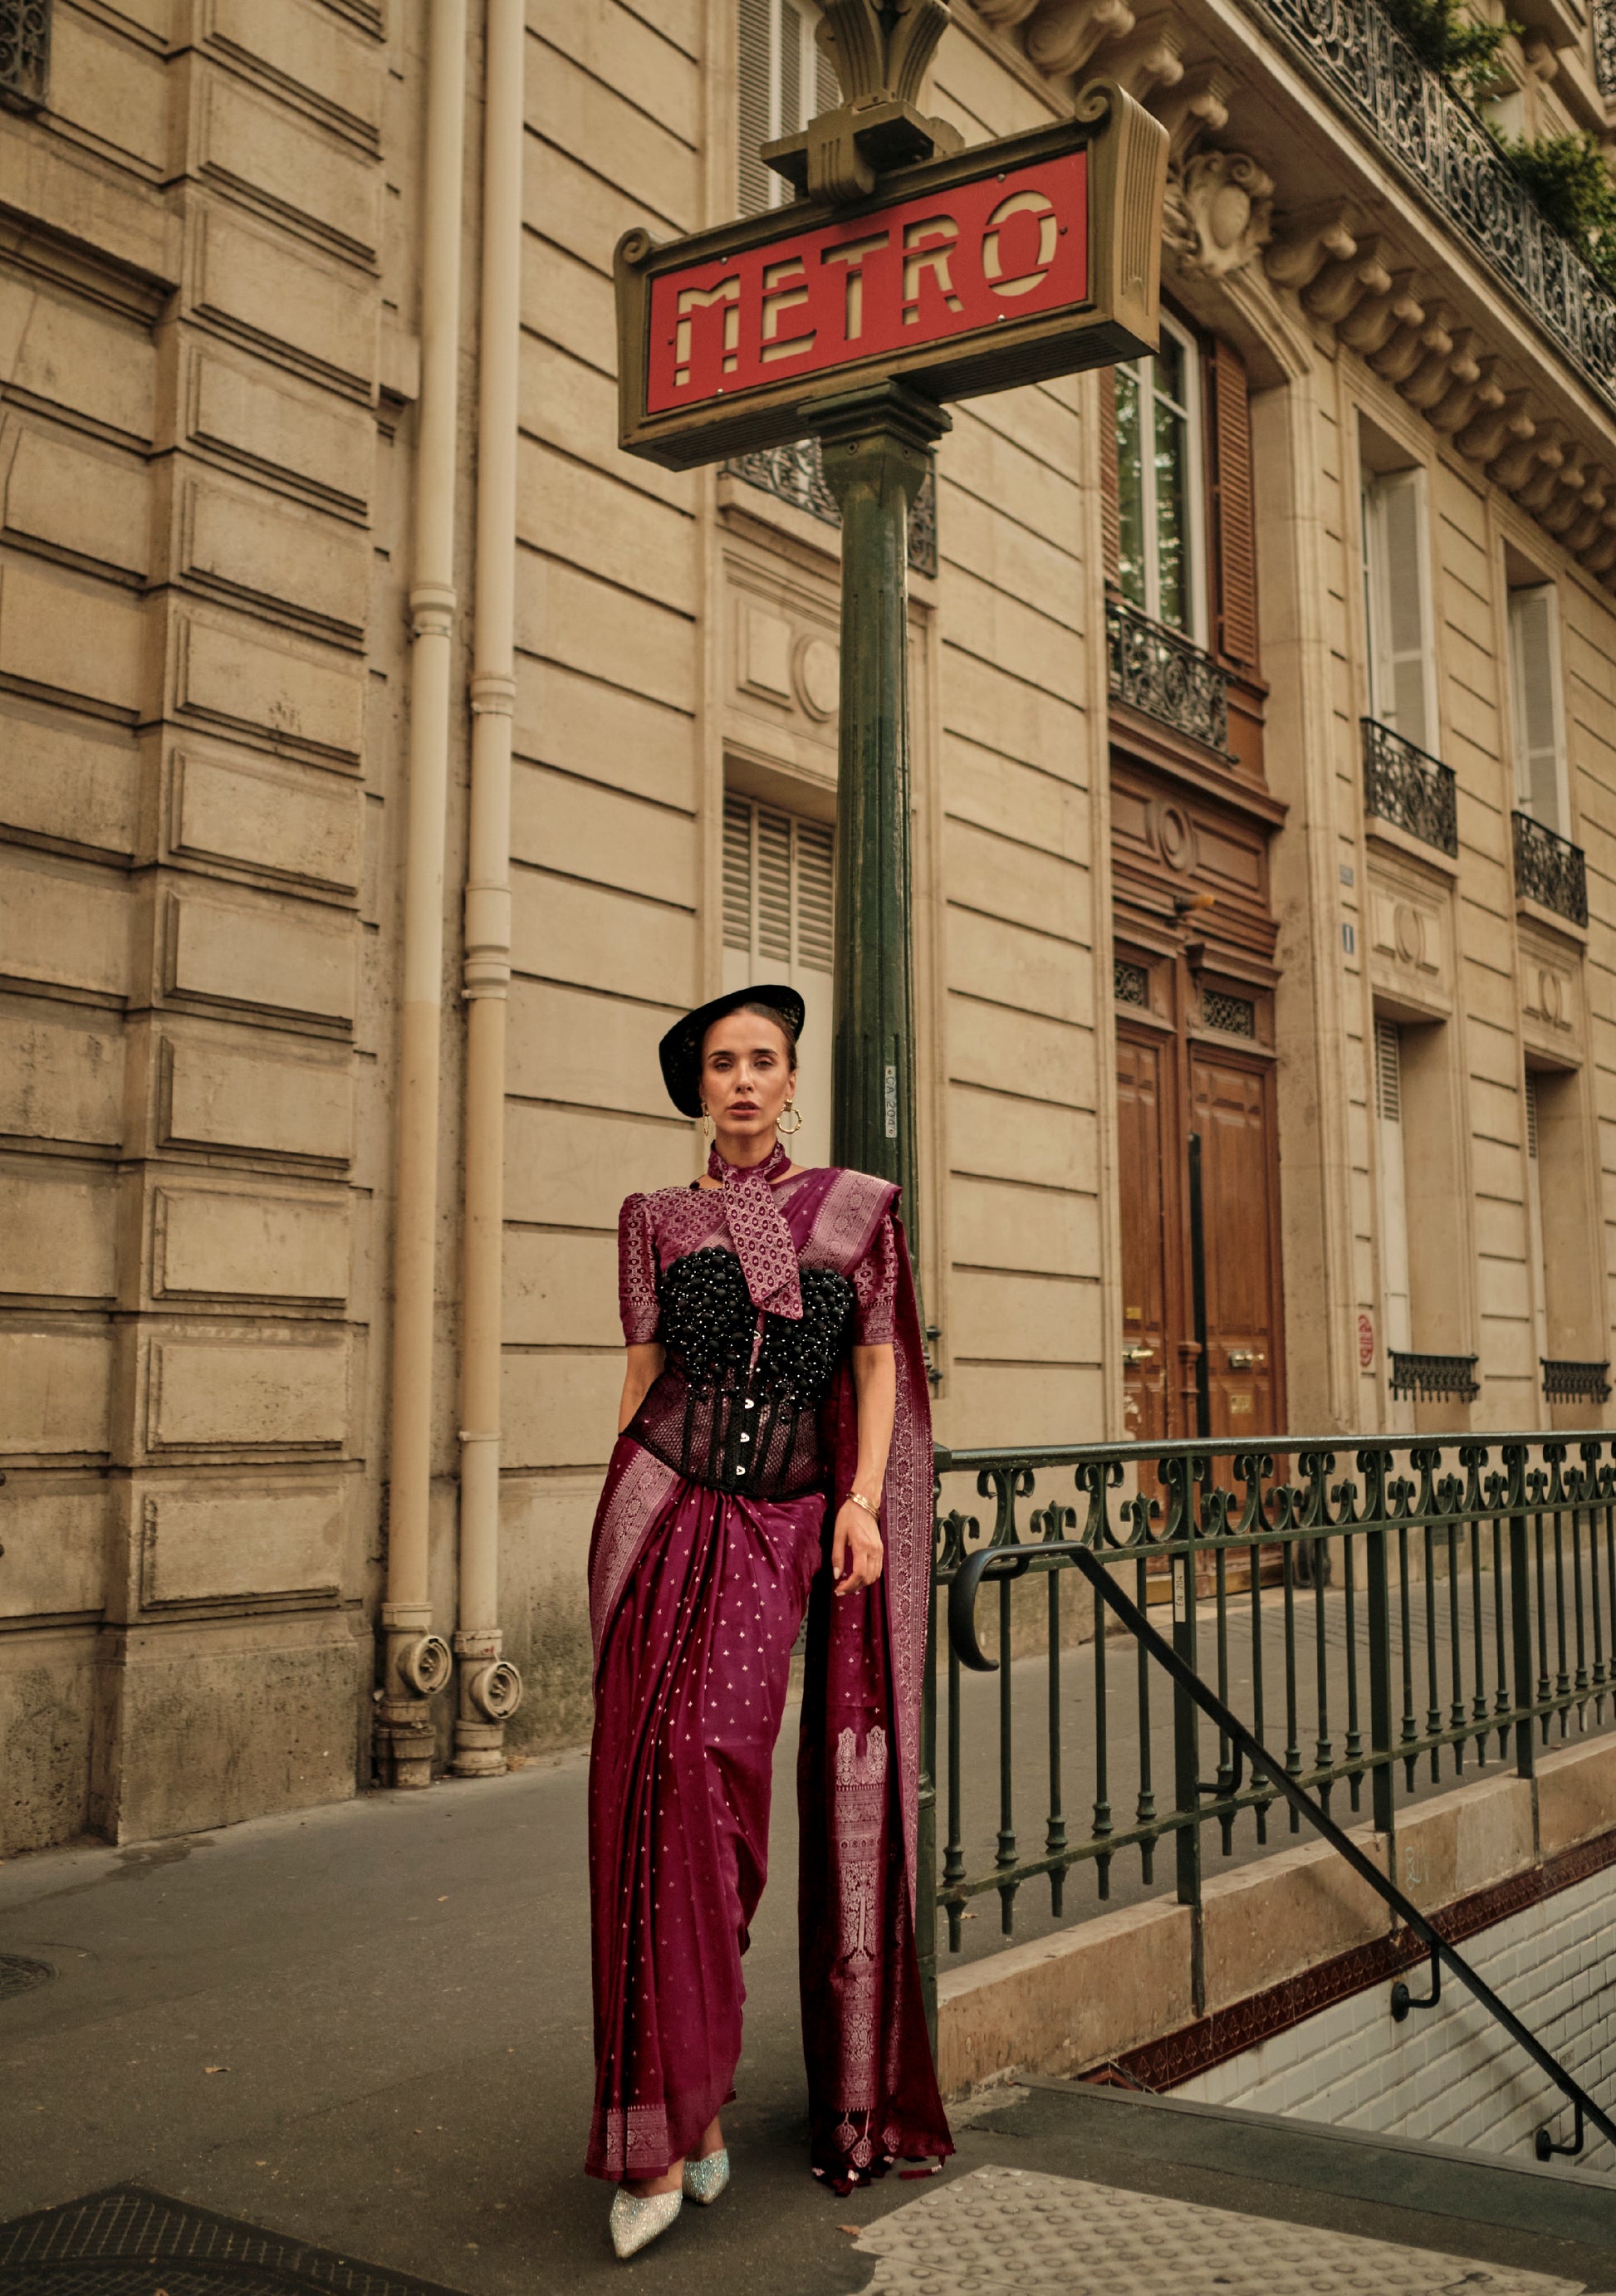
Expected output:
(857, 1553)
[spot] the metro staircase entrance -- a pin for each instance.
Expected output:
(1435, 1614)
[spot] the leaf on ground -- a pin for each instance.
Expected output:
(854, 2229)
(215, 2069)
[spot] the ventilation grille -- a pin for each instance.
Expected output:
(1236, 1016)
(1130, 983)
(1388, 1072)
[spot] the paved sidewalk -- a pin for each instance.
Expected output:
(368, 2028)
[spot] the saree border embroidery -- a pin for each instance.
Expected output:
(634, 1507)
(631, 2134)
(857, 1831)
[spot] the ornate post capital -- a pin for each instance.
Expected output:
(881, 49)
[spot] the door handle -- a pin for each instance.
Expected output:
(1132, 1353)
(1247, 1359)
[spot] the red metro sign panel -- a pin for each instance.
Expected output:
(1030, 257)
(917, 273)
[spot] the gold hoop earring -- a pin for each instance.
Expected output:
(790, 1130)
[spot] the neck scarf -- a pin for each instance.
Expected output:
(762, 1240)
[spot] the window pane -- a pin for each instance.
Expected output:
(1169, 369)
(1172, 515)
(1130, 489)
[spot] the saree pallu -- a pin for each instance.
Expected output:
(696, 1598)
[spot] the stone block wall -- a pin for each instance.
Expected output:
(194, 445)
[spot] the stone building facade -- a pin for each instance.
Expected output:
(384, 749)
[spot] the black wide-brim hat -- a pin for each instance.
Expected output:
(680, 1050)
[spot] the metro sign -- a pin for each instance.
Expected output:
(1034, 256)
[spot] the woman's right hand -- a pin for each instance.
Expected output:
(856, 1553)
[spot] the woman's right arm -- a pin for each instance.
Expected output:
(644, 1366)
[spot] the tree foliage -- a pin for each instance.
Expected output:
(1444, 34)
(1568, 178)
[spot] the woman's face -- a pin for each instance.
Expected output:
(747, 1074)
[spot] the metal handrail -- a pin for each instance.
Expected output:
(1000, 1563)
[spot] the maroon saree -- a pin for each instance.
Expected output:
(698, 1585)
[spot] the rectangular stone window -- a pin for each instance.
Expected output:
(1160, 484)
(1397, 585)
(1535, 693)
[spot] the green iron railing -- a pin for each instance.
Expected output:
(1402, 1609)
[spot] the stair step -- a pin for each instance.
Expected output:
(1557, 2217)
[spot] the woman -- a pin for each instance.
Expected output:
(775, 1423)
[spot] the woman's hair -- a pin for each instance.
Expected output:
(764, 1012)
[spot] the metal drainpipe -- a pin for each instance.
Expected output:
(491, 1688)
(418, 1662)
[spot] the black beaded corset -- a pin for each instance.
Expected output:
(741, 1424)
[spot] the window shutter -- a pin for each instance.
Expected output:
(1110, 516)
(779, 888)
(827, 89)
(755, 112)
(1534, 664)
(792, 32)
(1233, 517)
(737, 874)
(779, 924)
(1388, 1072)
(815, 895)
(1398, 634)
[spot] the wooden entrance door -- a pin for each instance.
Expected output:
(1144, 1082)
(1233, 1113)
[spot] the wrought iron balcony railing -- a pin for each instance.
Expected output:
(1564, 1382)
(1386, 1615)
(1445, 153)
(795, 475)
(1413, 791)
(1550, 870)
(25, 52)
(1604, 47)
(1155, 670)
(1435, 1379)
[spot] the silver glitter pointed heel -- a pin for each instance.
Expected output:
(636, 2223)
(704, 2180)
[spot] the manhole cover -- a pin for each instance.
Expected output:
(132, 2242)
(18, 1975)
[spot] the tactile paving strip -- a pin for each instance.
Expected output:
(999, 2230)
(131, 2242)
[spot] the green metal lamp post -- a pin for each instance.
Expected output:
(876, 445)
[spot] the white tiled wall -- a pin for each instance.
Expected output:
(1449, 2074)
